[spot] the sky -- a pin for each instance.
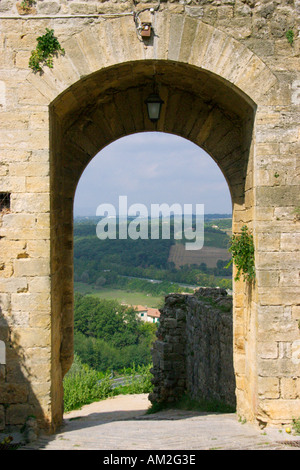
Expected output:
(152, 168)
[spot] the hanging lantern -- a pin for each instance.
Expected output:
(154, 104)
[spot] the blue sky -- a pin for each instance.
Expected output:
(152, 168)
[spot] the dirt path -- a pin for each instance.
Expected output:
(121, 423)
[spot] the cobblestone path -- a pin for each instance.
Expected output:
(121, 423)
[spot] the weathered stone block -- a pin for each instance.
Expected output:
(29, 169)
(31, 267)
(289, 279)
(31, 337)
(290, 388)
(268, 350)
(268, 387)
(15, 414)
(49, 8)
(296, 312)
(290, 241)
(13, 393)
(31, 202)
(279, 411)
(82, 8)
(4, 302)
(267, 279)
(296, 351)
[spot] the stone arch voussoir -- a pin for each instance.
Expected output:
(178, 38)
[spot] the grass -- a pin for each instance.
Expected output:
(122, 296)
(188, 404)
(83, 385)
(210, 301)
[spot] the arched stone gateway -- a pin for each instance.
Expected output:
(230, 83)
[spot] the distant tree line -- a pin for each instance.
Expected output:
(103, 262)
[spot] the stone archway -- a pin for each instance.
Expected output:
(220, 95)
(198, 105)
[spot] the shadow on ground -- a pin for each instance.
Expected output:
(122, 423)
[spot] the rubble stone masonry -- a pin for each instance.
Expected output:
(193, 354)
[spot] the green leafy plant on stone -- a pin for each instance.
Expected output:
(242, 420)
(290, 36)
(47, 47)
(27, 4)
(296, 425)
(242, 250)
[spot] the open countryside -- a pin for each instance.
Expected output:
(137, 265)
(119, 287)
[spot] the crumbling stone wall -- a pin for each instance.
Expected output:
(193, 353)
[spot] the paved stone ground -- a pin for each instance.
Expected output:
(120, 423)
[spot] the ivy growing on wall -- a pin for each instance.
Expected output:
(242, 250)
(47, 47)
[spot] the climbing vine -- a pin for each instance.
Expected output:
(242, 250)
(47, 47)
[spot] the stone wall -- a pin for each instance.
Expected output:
(193, 353)
(230, 82)
(259, 25)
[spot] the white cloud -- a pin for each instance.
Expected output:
(152, 168)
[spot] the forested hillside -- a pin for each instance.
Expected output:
(109, 335)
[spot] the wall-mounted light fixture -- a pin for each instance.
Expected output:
(145, 30)
(154, 104)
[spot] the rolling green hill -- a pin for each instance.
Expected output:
(105, 263)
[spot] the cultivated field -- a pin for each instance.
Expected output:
(122, 296)
(208, 254)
